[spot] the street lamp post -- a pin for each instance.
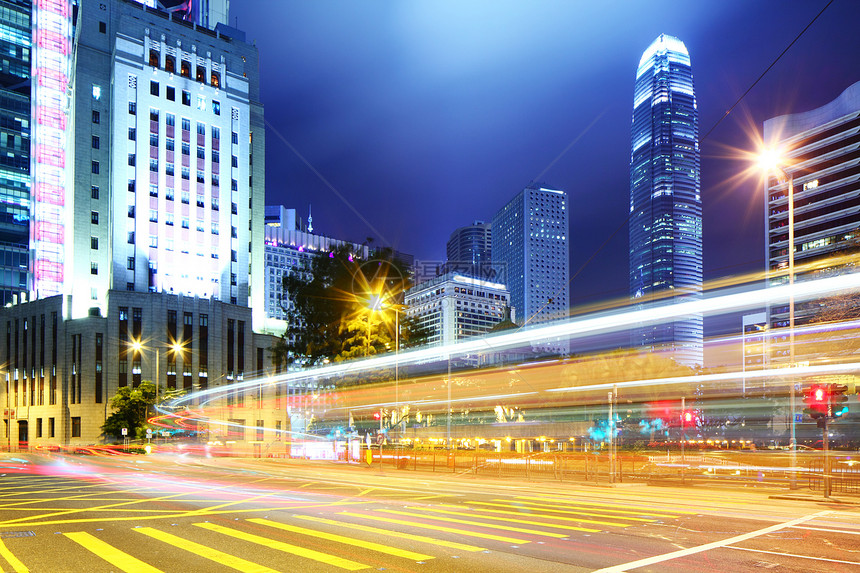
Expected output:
(771, 162)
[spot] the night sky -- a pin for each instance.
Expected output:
(426, 115)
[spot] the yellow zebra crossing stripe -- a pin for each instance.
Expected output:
(111, 554)
(641, 508)
(478, 523)
(390, 533)
(546, 510)
(286, 547)
(505, 519)
(437, 528)
(609, 514)
(17, 566)
(231, 561)
(388, 550)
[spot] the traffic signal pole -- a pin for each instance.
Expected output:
(827, 474)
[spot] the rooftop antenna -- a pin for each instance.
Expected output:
(310, 220)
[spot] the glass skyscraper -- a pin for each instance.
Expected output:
(15, 44)
(665, 201)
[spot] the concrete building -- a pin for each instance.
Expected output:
(147, 234)
(531, 252)
(454, 307)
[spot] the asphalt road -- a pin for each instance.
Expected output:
(169, 513)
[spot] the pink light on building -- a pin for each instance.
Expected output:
(52, 29)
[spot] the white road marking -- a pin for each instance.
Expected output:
(795, 555)
(830, 530)
(708, 546)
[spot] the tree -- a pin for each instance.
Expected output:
(328, 307)
(133, 407)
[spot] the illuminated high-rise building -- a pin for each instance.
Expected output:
(530, 253)
(146, 229)
(15, 185)
(665, 202)
(469, 250)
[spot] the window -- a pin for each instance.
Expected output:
(153, 115)
(94, 243)
(94, 192)
(186, 173)
(129, 264)
(168, 219)
(153, 190)
(216, 107)
(214, 228)
(169, 194)
(216, 157)
(186, 124)
(201, 129)
(130, 237)
(201, 153)
(201, 176)
(215, 79)
(235, 138)
(234, 185)
(131, 211)
(94, 268)
(170, 64)
(153, 88)
(132, 134)
(234, 209)
(215, 203)
(97, 118)
(233, 232)
(153, 215)
(132, 108)
(186, 97)
(169, 144)
(201, 103)
(234, 161)
(185, 69)
(131, 185)
(233, 256)
(201, 74)
(171, 93)
(185, 197)
(76, 420)
(233, 280)
(95, 167)
(153, 59)
(216, 181)
(132, 159)
(153, 164)
(216, 133)
(186, 149)
(129, 286)
(168, 168)
(96, 142)
(185, 222)
(153, 242)
(201, 201)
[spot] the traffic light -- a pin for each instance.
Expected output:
(376, 415)
(817, 400)
(838, 399)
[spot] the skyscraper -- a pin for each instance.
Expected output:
(15, 44)
(665, 202)
(530, 252)
(469, 250)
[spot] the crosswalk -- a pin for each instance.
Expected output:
(351, 539)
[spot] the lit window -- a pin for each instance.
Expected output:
(97, 92)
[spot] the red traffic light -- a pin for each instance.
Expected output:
(817, 400)
(376, 415)
(688, 417)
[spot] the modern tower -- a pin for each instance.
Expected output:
(469, 250)
(665, 202)
(15, 44)
(530, 252)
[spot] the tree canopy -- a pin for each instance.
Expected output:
(342, 307)
(133, 407)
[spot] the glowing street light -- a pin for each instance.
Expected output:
(771, 160)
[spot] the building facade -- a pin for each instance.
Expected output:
(469, 250)
(290, 250)
(820, 149)
(530, 252)
(147, 222)
(454, 307)
(665, 203)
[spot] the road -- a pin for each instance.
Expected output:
(169, 513)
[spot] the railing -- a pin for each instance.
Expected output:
(844, 478)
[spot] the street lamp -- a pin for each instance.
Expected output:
(771, 160)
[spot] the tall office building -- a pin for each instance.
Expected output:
(15, 128)
(147, 219)
(469, 250)
(820, 151)
(530, 252)
(665, 203)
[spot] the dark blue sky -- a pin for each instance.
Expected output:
(427, 114)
